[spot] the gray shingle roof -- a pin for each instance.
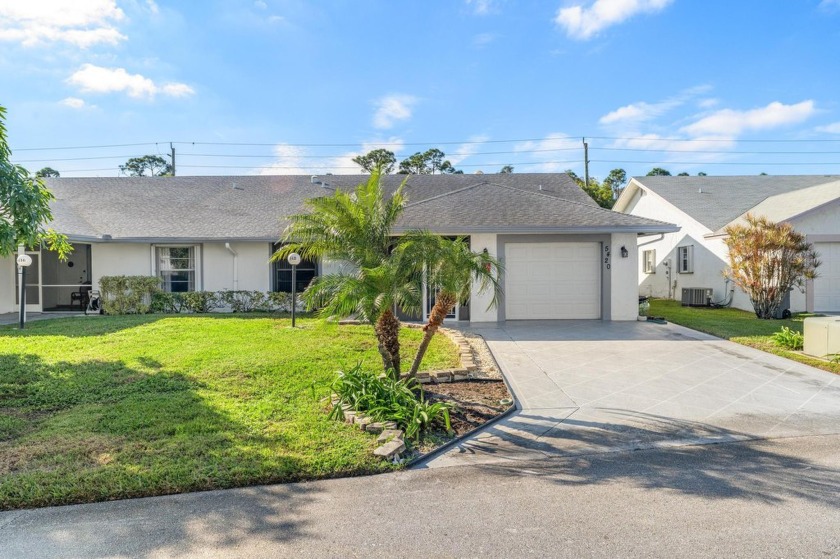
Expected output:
(255, 207)
(491, 207)
(716, 201)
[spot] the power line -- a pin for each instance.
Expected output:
(569, 139)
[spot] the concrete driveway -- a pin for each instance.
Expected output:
(589, 387)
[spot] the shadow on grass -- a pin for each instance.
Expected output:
(666, 454)
(100, 430)
(97, 325)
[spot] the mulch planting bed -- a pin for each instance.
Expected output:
(476, 401)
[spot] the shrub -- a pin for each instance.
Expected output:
(278, 301)
(384, 398)
(787, 338)
(244, 301)
(128, 294)
(200, 301)
(163, 302)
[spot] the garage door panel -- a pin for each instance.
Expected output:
(827, 282)
(552, 280)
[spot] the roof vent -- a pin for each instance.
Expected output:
(314, 179)
(540, 187)
(106, 237)
(479, 172)
(700, 190)
(237, 187)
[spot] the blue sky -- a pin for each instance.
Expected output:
(720, 86)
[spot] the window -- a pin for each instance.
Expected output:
(685, 259)
(304, 273)
(176, 268)
(649, 261)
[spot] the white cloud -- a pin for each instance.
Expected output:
(96, 79)
(730, 122)
(261, 5)
(392, 109)
(153, 7)
(85, 23)
(708, 103)
(643, 111)
(483, 7)
(583, 23)
(833, 128)
(295, 160)
(467, 150)
(483, 39)
(554, 153)
(73, 103)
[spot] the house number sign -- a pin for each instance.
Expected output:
(607, 256)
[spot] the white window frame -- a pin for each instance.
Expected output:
(685, 259)
(649, 261)
(197, 284)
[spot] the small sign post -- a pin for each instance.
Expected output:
(23, 261)
(294, 260)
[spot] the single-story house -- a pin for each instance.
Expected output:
(564, 256)
(696, 256)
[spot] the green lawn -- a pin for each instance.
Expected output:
(99, 408)
(738, 326)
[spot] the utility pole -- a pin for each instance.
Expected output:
(173, 157)
(585, 163)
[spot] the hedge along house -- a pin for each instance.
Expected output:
(564, 257)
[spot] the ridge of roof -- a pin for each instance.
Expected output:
(445, 194)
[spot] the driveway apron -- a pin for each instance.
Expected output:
(587, 387)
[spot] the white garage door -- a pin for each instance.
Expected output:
(552, 280)
(827, 282)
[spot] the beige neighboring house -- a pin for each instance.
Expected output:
(562, 253)
(696, 256)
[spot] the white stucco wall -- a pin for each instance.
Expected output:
(710, 255)
(253, 267)
(822, 221)
(624, 291)
(214, 267)
(479, 301)
(120, 259)
(7, 285)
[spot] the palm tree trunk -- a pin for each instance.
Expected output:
(444, 301)
(388, 333)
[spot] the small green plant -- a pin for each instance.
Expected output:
(384, 398)
(788, 338)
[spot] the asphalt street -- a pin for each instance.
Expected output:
(760, 498)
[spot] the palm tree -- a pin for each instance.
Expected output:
(356, 228)
(450, 268)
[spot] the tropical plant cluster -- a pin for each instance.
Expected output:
(142, 294)
(386, 271)
(788, 338)
(383, 397)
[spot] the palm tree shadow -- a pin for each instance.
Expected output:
(653, 452)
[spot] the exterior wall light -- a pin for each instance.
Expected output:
(624, 253)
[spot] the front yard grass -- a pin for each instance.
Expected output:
(738, 326)
(103, 408)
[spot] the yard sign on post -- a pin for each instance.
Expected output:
(294, 260)
(23, 261)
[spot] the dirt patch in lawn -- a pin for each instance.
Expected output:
(475, 401)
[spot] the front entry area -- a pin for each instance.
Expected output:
(552, 281)
(55, 285)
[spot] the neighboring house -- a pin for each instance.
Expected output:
(562, 252)
(696, 255)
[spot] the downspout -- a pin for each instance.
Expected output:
(235, 266)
